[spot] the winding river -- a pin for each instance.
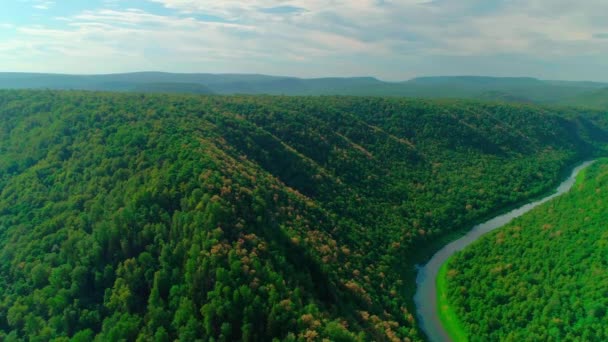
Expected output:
(426, 293)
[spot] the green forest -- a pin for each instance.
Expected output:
(544, 276)
(143, 217)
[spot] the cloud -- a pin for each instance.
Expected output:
(282, 9)
(467, 27)
(43, 4)
(234, 8)
(387, 38)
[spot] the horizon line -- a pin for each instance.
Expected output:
(297, 77)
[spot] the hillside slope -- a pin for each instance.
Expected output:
(543, 277)
(597, 99)
(249, 218)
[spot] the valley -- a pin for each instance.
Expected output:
(540, 276)
(161, 217)
(435, 312)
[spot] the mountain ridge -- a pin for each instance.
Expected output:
(501, 89)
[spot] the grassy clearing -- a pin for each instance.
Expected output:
(447, 315)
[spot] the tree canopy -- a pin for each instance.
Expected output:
(542, 277)
(162, 217)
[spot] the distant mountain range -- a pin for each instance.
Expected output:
(507, 89)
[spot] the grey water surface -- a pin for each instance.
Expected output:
(426, 292)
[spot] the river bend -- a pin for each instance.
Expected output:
(426, 292)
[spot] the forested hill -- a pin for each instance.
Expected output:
(543, 277)
(164, 217)
(505, 89)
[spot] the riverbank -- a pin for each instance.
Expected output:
(426, 299)
(446, 311)
(421, 255)
(554, 247)
(447, 314)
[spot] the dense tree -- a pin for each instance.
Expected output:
(157, 217)
(543, 276)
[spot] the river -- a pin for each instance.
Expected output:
(426, 293)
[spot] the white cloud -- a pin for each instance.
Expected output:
(386, 38)
(43, 4)
(535, 27)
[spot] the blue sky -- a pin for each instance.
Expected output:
(388, 39)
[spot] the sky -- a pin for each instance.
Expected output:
(388, 39)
